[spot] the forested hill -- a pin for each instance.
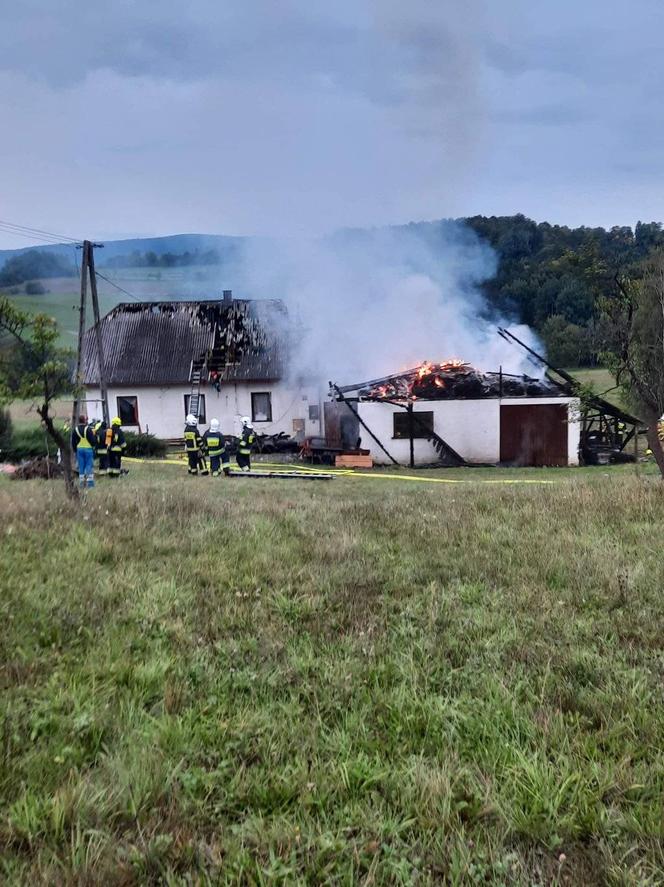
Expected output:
(552, 277)
(549, 276)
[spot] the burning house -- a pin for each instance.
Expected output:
(222, 359)
(451, 413)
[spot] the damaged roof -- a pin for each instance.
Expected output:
(451, 380)
(154, 343)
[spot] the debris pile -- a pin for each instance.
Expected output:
(453, 379)
(42, 468)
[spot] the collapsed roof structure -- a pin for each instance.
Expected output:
(448, 380)
(155, 343)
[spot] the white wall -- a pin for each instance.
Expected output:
(471, 427)
(161, 410)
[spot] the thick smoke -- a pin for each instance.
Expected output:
(370, 303)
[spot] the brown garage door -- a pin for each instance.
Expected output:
(534, 434)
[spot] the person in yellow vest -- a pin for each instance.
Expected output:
(83, 443)
(116, 443)
(194, 446)
(245, 443)
(215, 445)
(101, 449)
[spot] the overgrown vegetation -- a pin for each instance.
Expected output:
(145, 445)
(6, 430)
(35, 265)
(361, 682)
(26, 443)
(553, 278)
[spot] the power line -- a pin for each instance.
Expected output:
(126, 292)
(27, 230)
(32, 237)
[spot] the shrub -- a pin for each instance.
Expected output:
(5, 431)
(26, 443)
(145, 445)
(35, 288)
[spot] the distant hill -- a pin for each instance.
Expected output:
(173, 243)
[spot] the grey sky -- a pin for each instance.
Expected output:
(153, 117)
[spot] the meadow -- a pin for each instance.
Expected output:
(364, 681)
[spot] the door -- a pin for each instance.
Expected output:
(534, 434)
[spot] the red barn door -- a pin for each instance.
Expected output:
(534, 434)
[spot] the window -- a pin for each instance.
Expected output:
(422, 424)
(201, 407)
(314, 412)
(261, 406)
(128, 410)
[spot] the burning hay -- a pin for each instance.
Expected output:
(453, 379)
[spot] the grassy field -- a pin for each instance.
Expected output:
(363, 681)
(602, 382)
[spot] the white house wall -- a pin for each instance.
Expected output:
(471, 427)
(161, 410)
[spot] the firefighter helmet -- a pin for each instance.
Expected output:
(116, 421)
(214, 424)
(246, 421)
(191, 419)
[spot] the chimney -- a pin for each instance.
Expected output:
(228, 295)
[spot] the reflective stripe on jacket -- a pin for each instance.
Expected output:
(192, 439)
(100, 434)
(118, 442)
(83, 437)
(215, 443)
(246, 442)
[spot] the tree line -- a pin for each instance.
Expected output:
(35, 265)
(152, 259)
(556, 279)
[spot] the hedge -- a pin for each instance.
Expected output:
(26, 443)
(145, 446)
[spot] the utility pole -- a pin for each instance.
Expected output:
(97, 328)
(88, 270)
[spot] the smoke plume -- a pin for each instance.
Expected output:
(370, 303)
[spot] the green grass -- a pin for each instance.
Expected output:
(365, 681)
(25, 416)
(602, 382)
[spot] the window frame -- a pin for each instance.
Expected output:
(255, 394)
(136, 416)
(418, 431)
(202, 415)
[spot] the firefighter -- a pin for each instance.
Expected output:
(116, 444)
(247, 438)
(215, 445)
(101, 449)
(194, 446)
(83, 443)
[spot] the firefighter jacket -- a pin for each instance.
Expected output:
(100, 434)
(246, 441)
(115, 441)
(84, 437)
(214, 442)
(192, 439)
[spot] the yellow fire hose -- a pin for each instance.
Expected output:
(275, 467)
